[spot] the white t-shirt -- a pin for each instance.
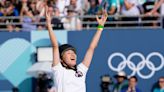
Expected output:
(71, 24)
(67, 80)
(162, 9)
(133, 10)
(61, 4)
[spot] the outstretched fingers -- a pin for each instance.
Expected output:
(97, 18)
(104, 16)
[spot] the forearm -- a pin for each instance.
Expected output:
(88, 56)
(52, 35)
(54, 45)
(156, 7)
(56, 56)
(95, 39)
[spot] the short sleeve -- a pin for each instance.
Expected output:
(81, 67)
(57, 67)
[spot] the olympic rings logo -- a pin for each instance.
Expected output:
(137, 68)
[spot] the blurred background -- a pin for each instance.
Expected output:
(133, 33)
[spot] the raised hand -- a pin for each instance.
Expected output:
(101, 21)
(47, 15)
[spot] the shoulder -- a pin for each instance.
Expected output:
(82, 68)
(57, 67)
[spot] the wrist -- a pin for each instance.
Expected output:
(100, 27)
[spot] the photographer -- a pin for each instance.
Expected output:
(120, 78)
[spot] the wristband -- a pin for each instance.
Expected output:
(100, 27)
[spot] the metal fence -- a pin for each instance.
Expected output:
(113, 22)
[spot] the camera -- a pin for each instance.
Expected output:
(106, 81)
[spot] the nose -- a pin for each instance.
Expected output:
(74, 55)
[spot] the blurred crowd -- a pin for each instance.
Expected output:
(28, 15)
(122, 83)
(125, 84)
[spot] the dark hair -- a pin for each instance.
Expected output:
(134, 78)
(15, 89)
(162, 77)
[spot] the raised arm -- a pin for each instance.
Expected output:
(156, 7)
(95, 40)
(56, 57)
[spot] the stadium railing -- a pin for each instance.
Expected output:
(114, 22)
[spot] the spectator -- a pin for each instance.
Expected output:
(156, 7)
(152, 11)
(161, 85)
(85, 5)
(131, 85)
(77, 7)
(42, 83)
(40, 7)
(93, 8)
(27, 17)
(33, 9)
(131, 12)
(112, 7)
(129, 8)
(61, 4)
(8, 9)
(120, 78)
(71, 22)
(57, 24)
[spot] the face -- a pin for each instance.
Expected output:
(120, 79)
(132, 82)
(70, 13)
(57, 12)
(24, 1)
(161, 82)
(93, 3)
(51, 10)
(69, 57)
(33, 5)
(73, 2)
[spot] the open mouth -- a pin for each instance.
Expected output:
(72, 59)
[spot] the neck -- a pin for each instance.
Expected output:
(67, 66)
